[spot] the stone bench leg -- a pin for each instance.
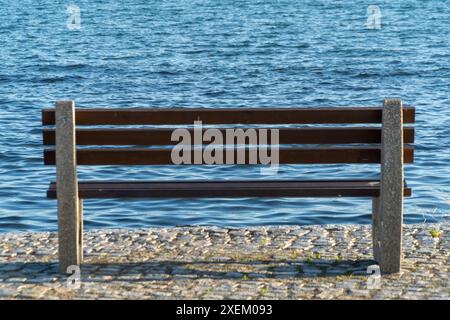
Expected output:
(391, 191)
(69, 206)
(80, 229)
(376, 228)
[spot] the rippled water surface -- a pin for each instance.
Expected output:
(226, 53)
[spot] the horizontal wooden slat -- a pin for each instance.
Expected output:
(175, 116)
(211, 189)
(142, 156)
(149, 137)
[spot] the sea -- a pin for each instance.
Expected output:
(220, 54)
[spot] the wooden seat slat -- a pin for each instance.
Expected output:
(246, 188)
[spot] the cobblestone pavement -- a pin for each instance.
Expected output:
(289, 262)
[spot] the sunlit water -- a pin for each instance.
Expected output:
(176, 53)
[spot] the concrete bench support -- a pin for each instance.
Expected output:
(389, 226)
(80, 229)
(376, 228)
(69, 207)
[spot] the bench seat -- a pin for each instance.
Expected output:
(219, 189)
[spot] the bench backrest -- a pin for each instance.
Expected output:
(119, 145)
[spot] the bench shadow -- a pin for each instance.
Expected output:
(165, 270)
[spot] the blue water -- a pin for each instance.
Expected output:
(226, 53)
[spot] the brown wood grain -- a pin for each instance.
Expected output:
(212, 189)
(151, 116)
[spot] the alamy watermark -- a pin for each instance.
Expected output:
(74, 280)
(74, 18)
(374, 279)
(374, 17)
(228, 148)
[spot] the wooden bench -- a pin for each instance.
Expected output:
(379, 137)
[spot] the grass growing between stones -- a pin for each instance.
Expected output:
(263, 292)
(264, 242)
(245, 277)
(435, 233)
(338, 259)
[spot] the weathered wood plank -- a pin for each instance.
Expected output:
(150, 116)
(246, 188)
